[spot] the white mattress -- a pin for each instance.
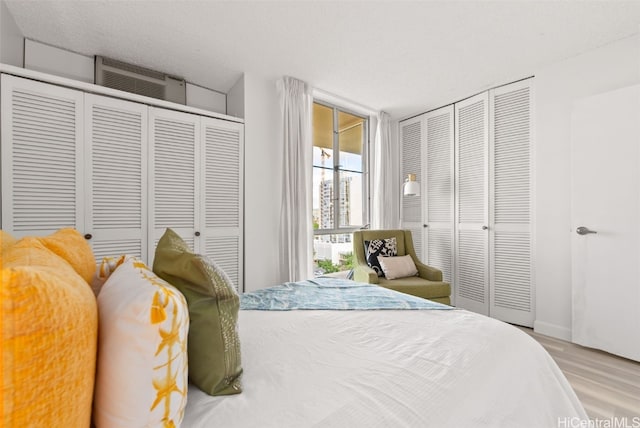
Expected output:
(420, 368)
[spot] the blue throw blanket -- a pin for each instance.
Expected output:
(332, 294)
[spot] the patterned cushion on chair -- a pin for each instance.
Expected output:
(379, 247)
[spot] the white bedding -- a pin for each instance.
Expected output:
(387, 368)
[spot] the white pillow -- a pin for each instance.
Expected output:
(398, 267)
(142, 376)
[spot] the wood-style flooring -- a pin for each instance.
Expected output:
(607, 385)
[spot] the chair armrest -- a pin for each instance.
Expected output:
(362, 273)
(428, 272)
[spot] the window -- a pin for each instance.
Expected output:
(340, 185)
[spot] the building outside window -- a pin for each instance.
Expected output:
(340, 185)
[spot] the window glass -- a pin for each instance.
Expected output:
(339, 186)
(350, 198)
(333, 254)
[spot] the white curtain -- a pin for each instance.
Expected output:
(296, 226)
(383, 212)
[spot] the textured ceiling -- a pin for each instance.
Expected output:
(401, 57)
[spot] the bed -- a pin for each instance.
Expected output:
(342, 354)
(320, 353)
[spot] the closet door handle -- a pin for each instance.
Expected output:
(485, 227)
(584, 230)
(197, 233)
(88, 236)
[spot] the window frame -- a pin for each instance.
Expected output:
(335, 171)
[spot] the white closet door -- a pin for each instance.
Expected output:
(510, 247)
(174, 176)
(411, 141)
(472, 264)
(439, 200)
(42, 152)
(116, 172)
(222, 164)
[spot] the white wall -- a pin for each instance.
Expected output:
(556, 88)
(263, 181)
(235, 99)
(206, 99)
(11, 40)
(60, 62)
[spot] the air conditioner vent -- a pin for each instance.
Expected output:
(133, 85)
(132, 68)
(139, 80)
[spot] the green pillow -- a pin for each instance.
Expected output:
(213, 346)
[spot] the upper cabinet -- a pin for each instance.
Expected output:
(120, 172)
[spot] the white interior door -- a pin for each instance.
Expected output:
(472, 211)
(510, 243)
(174, 183)
(222, 166)
(42, 155)
(116, 176)
(606, 199)
(411, 140)
(438, 174)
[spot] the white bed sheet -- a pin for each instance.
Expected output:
(420, 368)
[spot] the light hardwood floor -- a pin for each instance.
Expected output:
(607, 385)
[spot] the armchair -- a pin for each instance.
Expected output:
(428, 284)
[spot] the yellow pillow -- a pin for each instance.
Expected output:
(142, 377)
(49, 327)
(6, 240)
(72, 247)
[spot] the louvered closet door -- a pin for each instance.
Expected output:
(174, 175)
(41, 157)
(116, 171)
(472, 264)
(223, 195)
(411, 140)
(439, 200)
(510, 215)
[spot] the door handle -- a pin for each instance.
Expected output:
(584, 230)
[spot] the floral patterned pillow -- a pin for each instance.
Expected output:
(142, 375)
(379, 247)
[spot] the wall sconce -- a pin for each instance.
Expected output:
(411, 187)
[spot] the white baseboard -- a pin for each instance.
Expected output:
(552, 330)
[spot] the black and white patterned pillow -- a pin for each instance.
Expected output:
(379, 247)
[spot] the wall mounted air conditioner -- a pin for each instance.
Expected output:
(139, 80)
